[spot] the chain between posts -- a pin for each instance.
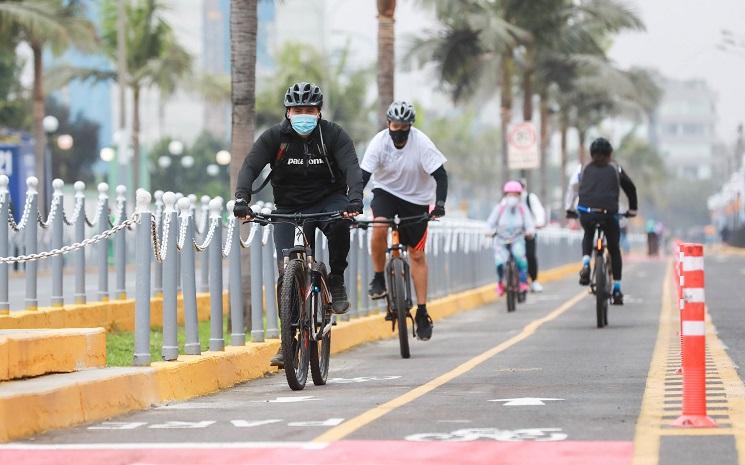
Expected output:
(208, 239)
(72, 247)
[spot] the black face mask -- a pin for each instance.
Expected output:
(399, 137)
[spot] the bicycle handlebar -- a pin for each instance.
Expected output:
(296, 218)
(364, 224)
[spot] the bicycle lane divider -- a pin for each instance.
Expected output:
(354, 424)
(661, 400)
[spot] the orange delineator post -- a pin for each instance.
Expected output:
(693, 332)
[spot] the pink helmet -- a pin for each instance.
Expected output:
(512, 187)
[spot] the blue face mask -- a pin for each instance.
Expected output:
(303, 124)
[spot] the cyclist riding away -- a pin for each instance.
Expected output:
(598, 187)
(535, 207)
(511, 222)
(408, 175)
(314, 170)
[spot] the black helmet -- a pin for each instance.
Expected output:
(401, 111)
(303, 94)
(601, 147)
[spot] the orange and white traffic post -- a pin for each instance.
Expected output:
(693, 332)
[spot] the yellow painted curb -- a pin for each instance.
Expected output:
(113, 314)
(130, 389)
(27, 353)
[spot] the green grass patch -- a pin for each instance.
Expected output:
(120, 344)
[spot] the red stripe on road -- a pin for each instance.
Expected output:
(341, 453)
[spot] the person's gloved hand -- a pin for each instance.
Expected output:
(354, 208)
(439, 210)
(241, 209)
(631, 213)
(571, 214)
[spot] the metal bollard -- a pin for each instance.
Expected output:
(255, 240)
(57, 299)
(204, 265)
(188, 278)
(364, 263)
(158, 218)
(32, 302)
(353, 286)
(143, 256)
(120, 245)
(103, 246)
(79, 236)
(4, 247)
(270, 281)
(217, 342)
(170, 278)
(179, 196)
(233, 244)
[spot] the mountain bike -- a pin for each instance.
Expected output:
(304, 303)
(513, 295)
(398, 278)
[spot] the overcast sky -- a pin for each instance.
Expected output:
(681, 40)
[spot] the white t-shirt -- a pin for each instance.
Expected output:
(407, 172)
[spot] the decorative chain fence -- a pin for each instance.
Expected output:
(181, 249)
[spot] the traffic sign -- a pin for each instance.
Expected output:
(522, 146)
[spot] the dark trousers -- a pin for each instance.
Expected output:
(609, 224)
(530, 245)
(336, 231)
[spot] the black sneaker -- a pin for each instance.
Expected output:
(584, 275)
(423, 326)
(377, 288)
(278, 360)
(339, 301)
(617, 297)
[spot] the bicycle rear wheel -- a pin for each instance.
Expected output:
(295, 329)
(512, 286)
(608, 289)
(601, 291)
(320, 351)
(397, 299)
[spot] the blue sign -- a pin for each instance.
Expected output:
(17, 162)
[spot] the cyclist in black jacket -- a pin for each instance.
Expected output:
(598, 186)
(314, 170)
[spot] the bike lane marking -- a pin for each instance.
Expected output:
(353, 424)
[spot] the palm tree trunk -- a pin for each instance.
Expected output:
(564, 128)
(243, 25)
(386, 57)
(528, 100)
(582, 149)
(135, 136)
(40, 138)
(506, 108)
(544, 141)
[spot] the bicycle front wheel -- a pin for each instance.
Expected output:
(601, 291)
(397, 298)
(295, 328)
(320, 351)
(513, 286)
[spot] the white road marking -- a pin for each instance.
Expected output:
(494, 434)
(523, 401)
(166, 445)
(117, 425)
(288, 400)
(183, 424)
(251, 424)
(329, 422)
(361, 379)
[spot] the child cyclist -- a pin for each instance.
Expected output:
(511, 221)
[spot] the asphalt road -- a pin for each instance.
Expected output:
(539, 386)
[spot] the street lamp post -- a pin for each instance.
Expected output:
(51, 124)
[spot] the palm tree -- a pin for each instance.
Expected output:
(386, 57)
(153, 57)
(42, 24)
(243, 27)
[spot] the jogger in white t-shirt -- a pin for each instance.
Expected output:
(408, 176)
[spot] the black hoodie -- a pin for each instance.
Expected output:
(300, 174)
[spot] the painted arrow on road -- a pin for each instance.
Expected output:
(523, 401)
